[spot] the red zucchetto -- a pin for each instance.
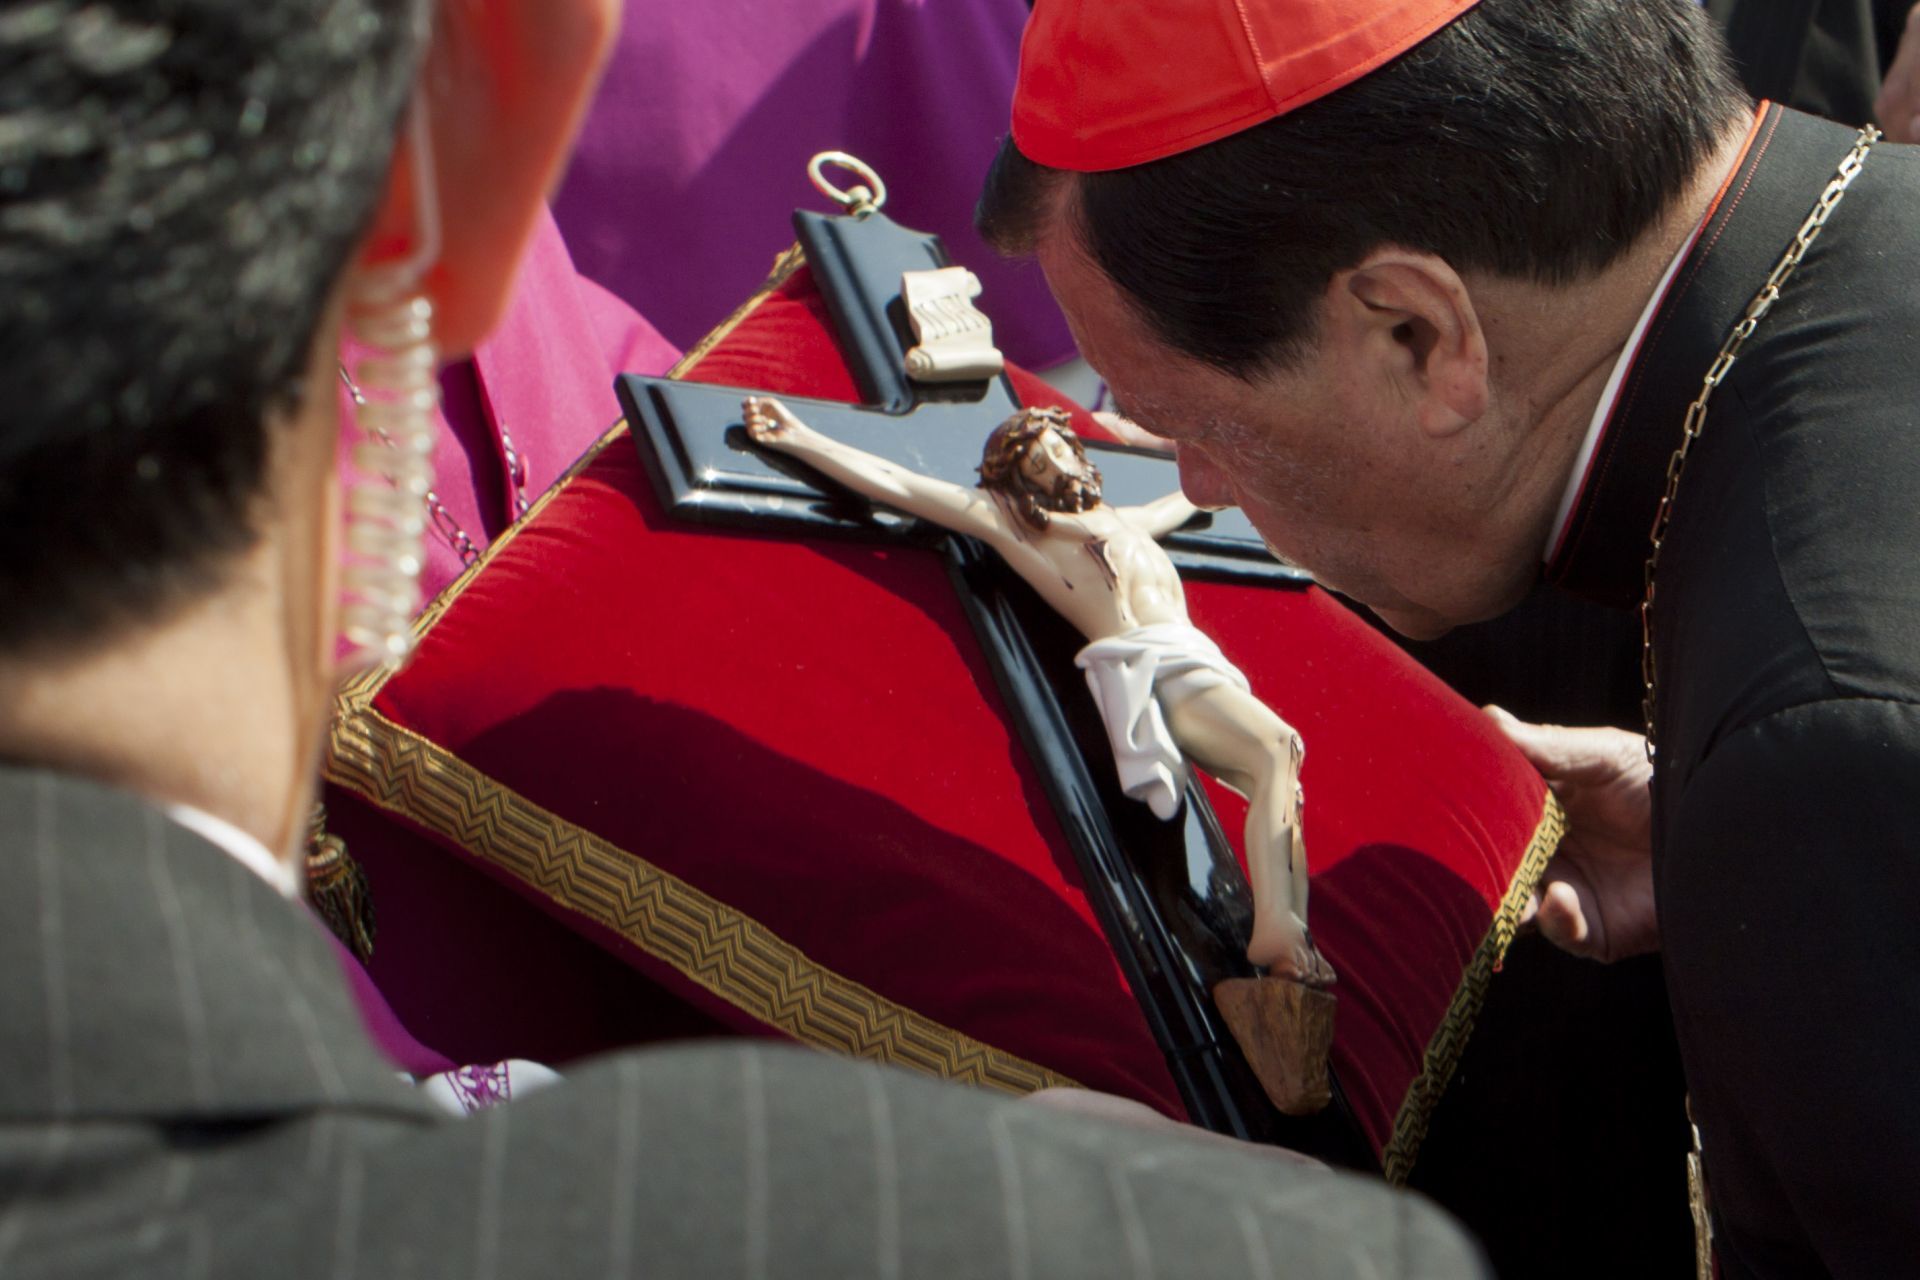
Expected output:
(1105, 84)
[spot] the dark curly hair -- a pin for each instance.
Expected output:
(181, 184)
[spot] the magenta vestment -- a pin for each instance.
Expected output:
(546, 377)
(694, 155)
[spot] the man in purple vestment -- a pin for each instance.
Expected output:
(694, 155)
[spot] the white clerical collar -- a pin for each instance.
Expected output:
(249, 852)
(1576, 480)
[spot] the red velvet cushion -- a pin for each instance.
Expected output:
(773, 775)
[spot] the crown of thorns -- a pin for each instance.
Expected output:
(1012, 438)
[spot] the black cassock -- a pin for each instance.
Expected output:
(1787, 636)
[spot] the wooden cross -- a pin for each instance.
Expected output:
(1170, 895)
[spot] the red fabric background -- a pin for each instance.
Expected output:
(806, 729)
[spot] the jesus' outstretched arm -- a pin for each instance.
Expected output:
(1163, 515)
(951, 506)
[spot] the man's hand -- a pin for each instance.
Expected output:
(1898, 106)
(1597, 897)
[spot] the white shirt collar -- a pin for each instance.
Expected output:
(1604, 410)
(249, 852)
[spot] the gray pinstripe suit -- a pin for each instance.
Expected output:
(185, 1091)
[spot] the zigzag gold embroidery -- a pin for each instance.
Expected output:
(1450, 1041)
(725, 952)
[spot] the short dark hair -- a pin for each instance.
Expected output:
(180, 187)
(1532, 138)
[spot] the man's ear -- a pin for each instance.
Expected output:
(1409, 319)
(504, 87)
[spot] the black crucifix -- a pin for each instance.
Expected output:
(1170, 895)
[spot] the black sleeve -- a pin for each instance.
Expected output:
(1790, 918)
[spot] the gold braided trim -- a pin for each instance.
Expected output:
(725, 952)
(1450, 1041)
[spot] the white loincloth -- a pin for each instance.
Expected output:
(1128, 673)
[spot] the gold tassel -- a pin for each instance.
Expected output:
(338, 890)
(1697, 1202)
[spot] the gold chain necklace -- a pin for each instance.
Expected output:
(443, 521)
(1729, 352)
(1676, 465)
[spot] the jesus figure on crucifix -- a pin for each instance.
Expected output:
(1165, 691)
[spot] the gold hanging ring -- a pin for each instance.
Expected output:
(861, 199)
